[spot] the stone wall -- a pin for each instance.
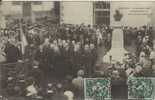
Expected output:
(76, 12)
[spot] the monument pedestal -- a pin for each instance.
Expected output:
(117, 51)
(114, 55)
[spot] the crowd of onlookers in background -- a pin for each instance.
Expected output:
(69, 52)
(140, 61)
(144, 44)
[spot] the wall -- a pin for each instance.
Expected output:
(6, 8)
(134, 13)
(76, 12)
(17, 9)
(45, 6)
(9, 9)
(2, 21)
(153, 15)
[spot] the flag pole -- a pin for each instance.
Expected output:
(23, 39)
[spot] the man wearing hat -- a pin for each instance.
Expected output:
(87, 60)
(12, 52)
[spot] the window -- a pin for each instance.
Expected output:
(102, 5)
(27, 9)
(37, 2)
(16, 2)
(102, 12)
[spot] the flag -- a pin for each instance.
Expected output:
(23, 39)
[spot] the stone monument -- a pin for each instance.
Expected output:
(117, 51)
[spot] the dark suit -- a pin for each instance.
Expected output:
(13, 54)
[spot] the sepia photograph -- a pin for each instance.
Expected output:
(77, 50)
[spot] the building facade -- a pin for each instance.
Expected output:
(27, 10)
(77, 12)
(101, 12)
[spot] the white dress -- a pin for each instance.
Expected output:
(31, 90)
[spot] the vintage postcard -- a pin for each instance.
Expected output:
(77, 50)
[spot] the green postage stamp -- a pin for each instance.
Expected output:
(97, 89)
(141, 88)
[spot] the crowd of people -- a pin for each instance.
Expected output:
(69, 53)
(73, 47)
(58, 51)
(140, 60)
(144, 40)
